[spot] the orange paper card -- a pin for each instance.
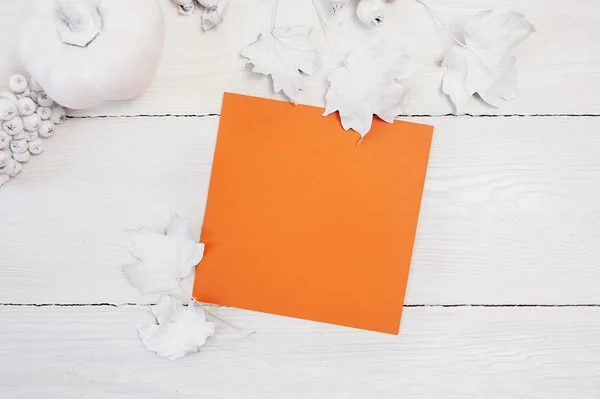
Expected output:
(302, 221)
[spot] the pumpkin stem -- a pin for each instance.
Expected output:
(78, 22)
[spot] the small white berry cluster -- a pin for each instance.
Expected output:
(27, 114)
(212, 10)
(369, 12)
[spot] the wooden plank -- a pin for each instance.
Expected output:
(550, 353)
(510, 212)
(558, 66)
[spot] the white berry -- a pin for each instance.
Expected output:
(36, 147)
(21, 157)
(4, 140)
(47, 129)
(26, 106)
(12, 168)
(20, 136)
(213, 16)
(18, 168)
(370, 12)
(26, 94)
(32, 123)
(8, 109)
(58, 115)
(34, 85)
(13, 126)
(28, 114)
(30, 136)
(183, 2)
(186, 7)
(4, 157)
(210, 4)
(43, 100)
(18, 146)
(17, 83)
(44, 112)
(9, 96)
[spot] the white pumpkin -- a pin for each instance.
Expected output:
(86, 52)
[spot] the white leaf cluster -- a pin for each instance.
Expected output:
(27, 116)
(166, 264)
(367, 84)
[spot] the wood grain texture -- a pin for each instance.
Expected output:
(510, 212)
(462, 353)
(510, 215)
(558, 65)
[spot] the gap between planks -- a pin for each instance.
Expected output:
(467, 115)
(459, 305)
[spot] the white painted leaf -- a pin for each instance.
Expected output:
(164, 260)
(283, 53)
(367, 86)
(484, 65)
(179, 331)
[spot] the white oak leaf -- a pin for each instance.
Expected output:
(164, 260)
(179, 331)
(484, 64)
(283, 54)
(367, 86)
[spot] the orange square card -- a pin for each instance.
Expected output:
(302, 221)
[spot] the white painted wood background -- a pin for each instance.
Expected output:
(504, 293)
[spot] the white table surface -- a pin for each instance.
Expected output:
(504, 293)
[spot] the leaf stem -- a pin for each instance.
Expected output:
(274, 15)
(328, 34)
(210, 313)
(440, 23)
(221, 320)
